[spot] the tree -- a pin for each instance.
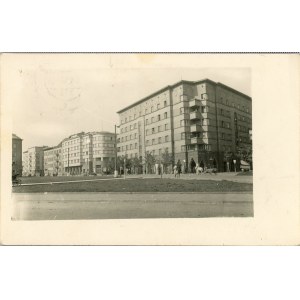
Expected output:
(137, 163)
(166, 159)
(150, 162)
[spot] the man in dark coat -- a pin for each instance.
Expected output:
(193, 165)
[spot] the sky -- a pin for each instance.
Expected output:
(54, 100)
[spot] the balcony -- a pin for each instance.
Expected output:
(196, 128)
(196, 140)
(195, 102)
(195, 115)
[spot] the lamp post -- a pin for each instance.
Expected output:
(116, 171)
(125, 166)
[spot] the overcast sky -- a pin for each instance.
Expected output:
(53, 103)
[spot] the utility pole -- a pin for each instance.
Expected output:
(68, 160)
(116, 171)
(125, 166)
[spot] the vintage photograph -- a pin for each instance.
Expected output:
(93, 138)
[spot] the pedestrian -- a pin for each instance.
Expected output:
(197, 169)
(175, 171)
(179, 167)
(192, 165)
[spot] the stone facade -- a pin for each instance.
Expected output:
(203, 120)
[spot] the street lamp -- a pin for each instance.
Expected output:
(116, 171)
(125, 166)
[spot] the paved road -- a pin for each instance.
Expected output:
(76, 206)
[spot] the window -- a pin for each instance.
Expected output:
(152, 120)
(146, 121)
(159, 129)
(158, 106)
(147, 142)
(158, 118)
(125, 120)
(183, 135)
(166, 127)
(153, 130)
(151, 108)
(165, 115)
(146, 111)
(166, 138)
(153, 141)
(134, 116)
(165, 103)
(135, 146)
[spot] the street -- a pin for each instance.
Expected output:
(76, 206)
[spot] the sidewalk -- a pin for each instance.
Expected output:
(220, 176)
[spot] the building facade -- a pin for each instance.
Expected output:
(204, 120)
(16, 155)
(87, 153)
(53, 161)
(33, 161)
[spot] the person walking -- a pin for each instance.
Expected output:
(175, 171)
(193, 165)
(178, 167)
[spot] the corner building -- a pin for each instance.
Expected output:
(203, 120)
(86, 153)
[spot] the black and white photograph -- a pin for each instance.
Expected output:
(103, 142)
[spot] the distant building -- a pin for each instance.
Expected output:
(53, 165)
(33, 161)
(16, 155)
(204, 120)
(86, 153)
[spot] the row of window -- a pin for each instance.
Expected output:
(159, 128)
(243, 129)
(234, 105)
(87, 140)
(146, 111)
(224, 124)
(157, 141)
(156, 118)
(242, 118)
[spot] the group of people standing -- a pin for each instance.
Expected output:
(194, 167)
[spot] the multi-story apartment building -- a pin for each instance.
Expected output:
(33, 161)
(203, 120)
(104, 147)
(16, 155)
(53, 161)
(86, 153)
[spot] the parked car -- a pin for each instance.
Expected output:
(244, 166)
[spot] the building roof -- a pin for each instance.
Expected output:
(15, 137)
(178, 83)
(100, 132)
